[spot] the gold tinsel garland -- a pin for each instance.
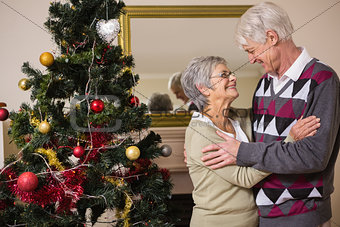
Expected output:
(35, 122)
(122, 214)
(52, 158)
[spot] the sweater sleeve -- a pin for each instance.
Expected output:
(245, 177)
(310, 154)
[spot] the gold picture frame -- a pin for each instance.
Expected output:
(199, 11)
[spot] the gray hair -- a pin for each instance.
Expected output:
(198, 72)
(175, 81)
(255, 22)
(159, 102)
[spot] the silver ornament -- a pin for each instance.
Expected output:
(120, 170)
(108, 30)
(166, 150)
(116, 103)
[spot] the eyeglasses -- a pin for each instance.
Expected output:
(225, 75)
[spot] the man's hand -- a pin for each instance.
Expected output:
(304, 128)
(224, 153)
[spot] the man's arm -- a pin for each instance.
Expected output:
(245, 177)
(227, 151)
(308, 155)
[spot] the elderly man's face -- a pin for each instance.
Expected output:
(180, 94)
(262, 54)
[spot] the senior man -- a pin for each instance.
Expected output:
(294, 85)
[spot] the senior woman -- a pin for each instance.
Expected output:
(223, 196)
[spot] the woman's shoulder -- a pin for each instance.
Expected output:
(202, 132)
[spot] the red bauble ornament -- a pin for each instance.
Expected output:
(133, 100)
(3, 114)
(78, 151)
(97, 105)
(27, 182)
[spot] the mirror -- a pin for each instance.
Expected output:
(163, 39)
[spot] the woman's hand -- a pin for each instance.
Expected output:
(185, 155)
(304, 128)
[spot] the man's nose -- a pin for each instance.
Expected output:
(251, 58)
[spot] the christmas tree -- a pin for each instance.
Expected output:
(84, 144)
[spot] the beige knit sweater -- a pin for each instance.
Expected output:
(222, 197)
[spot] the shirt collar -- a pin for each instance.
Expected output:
(297, 67)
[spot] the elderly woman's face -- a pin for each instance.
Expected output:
(223, 86)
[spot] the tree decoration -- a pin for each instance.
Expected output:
(44, 127)
(78, 151)
(3, 114)
(24, 84)
(97, 105)
(122, 214)
(108, 30)
(132, 153)
(52, 158)
(116, 103)
(103, 177)
(27, 182)
(46, 59)
(35, 122)
(133, 100)
(63, 43)
(166, 150)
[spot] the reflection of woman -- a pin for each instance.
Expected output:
(176, 87)
(222, 197)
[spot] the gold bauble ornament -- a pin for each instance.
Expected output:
(44, 127)
(64, 43)
(46, 59)
(132, 153)
(24, 84)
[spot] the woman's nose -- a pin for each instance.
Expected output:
(232, 77)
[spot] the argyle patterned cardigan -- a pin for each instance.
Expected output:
(305, 169)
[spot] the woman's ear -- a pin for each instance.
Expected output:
(273, 37)
(203, 89)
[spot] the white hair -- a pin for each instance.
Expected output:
(175, 81)
(257, 20)
(198, 72)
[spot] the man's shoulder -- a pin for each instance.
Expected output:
(320, 65)
(322, 72)
(318, 72)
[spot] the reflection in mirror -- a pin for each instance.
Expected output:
(164, 45)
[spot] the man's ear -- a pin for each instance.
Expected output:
(272, 37)
(203, 89)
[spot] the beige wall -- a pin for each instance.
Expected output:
(21, 41)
